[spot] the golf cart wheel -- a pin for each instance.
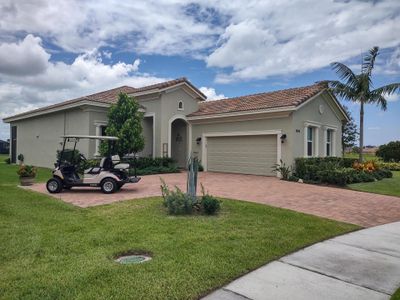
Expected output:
(108, 186)
(54, 185)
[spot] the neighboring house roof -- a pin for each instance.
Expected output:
(107, 97)
(278, 99)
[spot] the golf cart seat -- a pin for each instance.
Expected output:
(117, 165)
(96, 170)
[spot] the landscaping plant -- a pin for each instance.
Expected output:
(283, 170)
(338, 171)
(125, 122)
(389, 152)
(358, 88)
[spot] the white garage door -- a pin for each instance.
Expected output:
(254, 154)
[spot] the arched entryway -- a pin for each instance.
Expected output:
(179, 141)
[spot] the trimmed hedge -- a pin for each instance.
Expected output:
(335, 170)
(392, 166)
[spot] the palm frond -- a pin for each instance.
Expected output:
(369, 60)
(345, 73)
(379, 100)
(387, 89)
(342, 90)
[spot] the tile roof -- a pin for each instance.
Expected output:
(276, 99)
(111, 96)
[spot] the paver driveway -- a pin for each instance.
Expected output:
(360, 208)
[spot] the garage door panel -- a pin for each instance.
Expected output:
(242, 154)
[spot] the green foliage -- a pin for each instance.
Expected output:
(283, 170)
(359, 88)
(26, 171)
(335, 170)
(389, 152)
(349, 131)
(158, 165)
(125, 122)
(69, 155)
(392, 166)
(177, 202)
(7, 161)
(209, 204)
(21, 158)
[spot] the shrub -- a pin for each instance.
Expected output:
(307, 168)
(390, 151)
(26, 171)
(21, 158)
(7, 161)
(208, 203)
(282, 169)
(392, 166)
(177, 202)
(368, 166)
(180, 203)
(338, 171)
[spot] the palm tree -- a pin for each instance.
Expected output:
(359, 88)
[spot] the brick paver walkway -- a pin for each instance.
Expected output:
(360, 208)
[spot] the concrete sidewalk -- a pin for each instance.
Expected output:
(359, 265)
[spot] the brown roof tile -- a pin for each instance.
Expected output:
(111, 96)
(276, 99)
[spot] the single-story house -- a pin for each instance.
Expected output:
(247, 134)
(4, 147)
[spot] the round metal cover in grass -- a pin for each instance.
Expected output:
(132, 259)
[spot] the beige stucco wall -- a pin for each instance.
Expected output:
(279, 123)
(170, 111)
(293, 125)
(38, 138)
(330, 118)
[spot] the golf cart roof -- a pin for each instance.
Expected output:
(92, 137)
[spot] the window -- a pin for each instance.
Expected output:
(180, 105)
(310, 141)
(329, 142)
(103, 130)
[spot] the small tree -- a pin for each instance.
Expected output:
(125, 122)
(389, 151)
(349, 131)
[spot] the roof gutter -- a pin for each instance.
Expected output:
(242, 113)
(54, 109)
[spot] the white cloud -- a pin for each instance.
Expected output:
(26, 57)
(211, 93)
(270, 38)
(158, 26)
(58, 81)
(393, 97)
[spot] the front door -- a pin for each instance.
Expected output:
(13, 144)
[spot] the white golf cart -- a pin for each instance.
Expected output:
(110, 175)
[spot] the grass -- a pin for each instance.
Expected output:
(8, 173)
(396, 296)
(388, 186)
(52, 250)
(367, 156)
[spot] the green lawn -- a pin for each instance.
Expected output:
(388, 186)
(52, 250)
(396, 296)
(367, 156)
(8, 173)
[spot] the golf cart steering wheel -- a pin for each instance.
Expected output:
(82, 157)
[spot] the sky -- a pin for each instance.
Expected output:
(52, 51)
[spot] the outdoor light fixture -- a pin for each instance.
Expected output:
(283, 138)
(198, 140)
